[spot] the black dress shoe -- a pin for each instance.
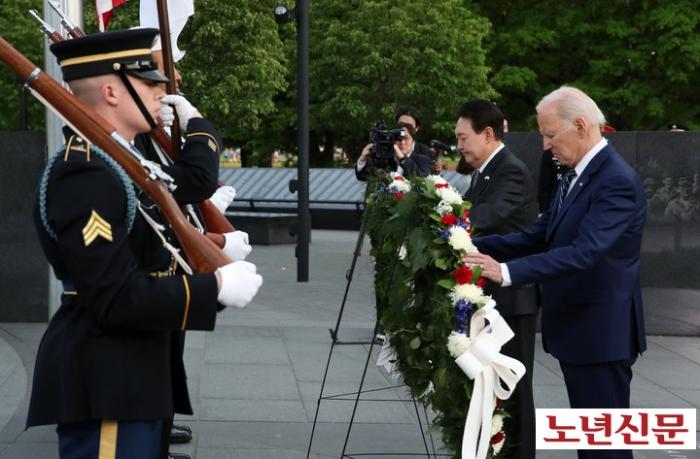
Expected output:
(179, 435)
(182, 427)
(178, 456)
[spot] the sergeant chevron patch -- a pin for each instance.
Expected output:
(96, 226)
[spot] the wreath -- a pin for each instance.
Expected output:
(443, 333)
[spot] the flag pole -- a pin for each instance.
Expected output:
(169, 66)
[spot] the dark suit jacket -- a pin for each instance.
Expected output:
(503, 201)
(419, 163)
(586, 257)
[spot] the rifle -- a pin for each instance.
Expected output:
(213, 219)
(203, 254)
(49, 31)
(73, 30)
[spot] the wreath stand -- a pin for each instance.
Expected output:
(356, 396)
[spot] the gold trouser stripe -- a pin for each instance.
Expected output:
(191, 134)
(106, 56)
(108, 440)
(187, 302)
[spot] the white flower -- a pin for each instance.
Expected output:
(449, 195)
(436, 179)
(399, 186)
(458, 344)
(402, 252)
(496, 424)
(460, 240)
(443, 208)
(468, 292)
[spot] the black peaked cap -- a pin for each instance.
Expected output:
(109, 52)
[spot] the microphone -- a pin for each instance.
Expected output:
(443, 146)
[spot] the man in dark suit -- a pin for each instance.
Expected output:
(584, 251)
(502, 193)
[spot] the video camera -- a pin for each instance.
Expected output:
(382, 140)
(443, 147)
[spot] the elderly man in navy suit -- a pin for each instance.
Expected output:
(584, 251)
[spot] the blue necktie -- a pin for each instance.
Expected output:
(565, 184)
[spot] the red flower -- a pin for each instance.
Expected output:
(448, 219)
(441, 185)
(499, 437)
(499, 402)
(481, 282)
(399, 178)
(465, 216)
(463, 275)
(398, 195)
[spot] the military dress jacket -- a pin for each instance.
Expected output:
(108, 351)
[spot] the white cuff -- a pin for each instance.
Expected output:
(505, 274)
(361, 165)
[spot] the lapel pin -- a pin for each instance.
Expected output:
(487, 178)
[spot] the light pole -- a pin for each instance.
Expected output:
(301, 184)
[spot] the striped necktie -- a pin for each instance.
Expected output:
(565, 184)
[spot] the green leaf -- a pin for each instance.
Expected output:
(446, 283)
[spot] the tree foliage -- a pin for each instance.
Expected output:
(17, 27)
(637, 58)
(368, 56)
(234, 64)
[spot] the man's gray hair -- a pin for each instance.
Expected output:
(572, 103)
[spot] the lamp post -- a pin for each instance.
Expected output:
(301, 184)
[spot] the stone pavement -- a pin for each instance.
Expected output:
(255, 381)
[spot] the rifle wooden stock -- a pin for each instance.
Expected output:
(202, 254)
(213, 219)
(76, 32)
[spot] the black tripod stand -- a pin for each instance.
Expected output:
(335, 341)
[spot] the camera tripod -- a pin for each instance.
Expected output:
(356, 396)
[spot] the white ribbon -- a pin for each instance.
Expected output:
(493, 374)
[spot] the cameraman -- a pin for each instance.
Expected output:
(405, 161)
(410, 115)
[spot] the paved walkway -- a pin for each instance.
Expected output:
(255, 381)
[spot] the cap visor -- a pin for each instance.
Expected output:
(153, 75)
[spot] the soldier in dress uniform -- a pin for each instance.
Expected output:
(198, 170)
(107, 371)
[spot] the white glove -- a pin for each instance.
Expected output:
(167, 114)
(239, 284)
(236, 246)
(223, 197)
(185, 110)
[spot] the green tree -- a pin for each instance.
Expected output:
(368, 56)
(234, 66)
(638, 59)
(17, 27)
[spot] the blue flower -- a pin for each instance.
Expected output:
(445, 234)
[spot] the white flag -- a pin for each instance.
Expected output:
(178, 13)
